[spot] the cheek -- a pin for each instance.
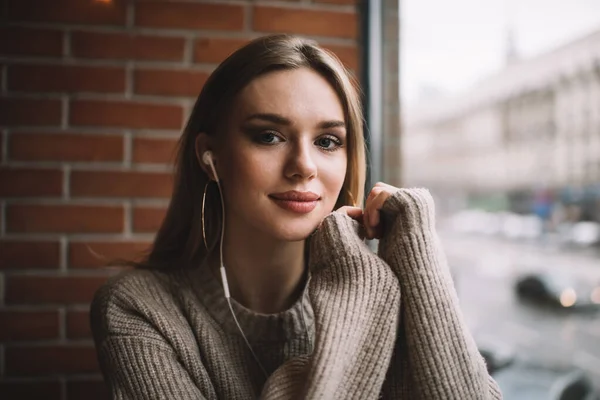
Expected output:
(333, 175)
(246, 171)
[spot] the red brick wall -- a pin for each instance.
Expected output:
(93, 95)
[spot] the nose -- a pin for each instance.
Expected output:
(301, 163)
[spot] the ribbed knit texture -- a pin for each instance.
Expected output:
(350, 335)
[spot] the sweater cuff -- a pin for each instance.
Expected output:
(409, 210)
(337, 237)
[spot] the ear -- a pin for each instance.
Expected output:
(203, 144)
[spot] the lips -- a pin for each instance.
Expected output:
(294, 195)
(297, 202)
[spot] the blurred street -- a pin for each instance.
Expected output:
(512, 159)
(485, 269)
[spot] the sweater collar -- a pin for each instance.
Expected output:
(283, 326)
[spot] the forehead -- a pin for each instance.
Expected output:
(301, 95)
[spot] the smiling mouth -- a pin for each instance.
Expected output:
(297, 202)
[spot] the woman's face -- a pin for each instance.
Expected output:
(282, 160)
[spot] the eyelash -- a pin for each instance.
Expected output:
(337, 142)
(261, 135)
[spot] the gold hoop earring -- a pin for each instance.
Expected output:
(203, 223)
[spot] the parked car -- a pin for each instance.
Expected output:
(558, 289)
(538, 382)
(521, 380)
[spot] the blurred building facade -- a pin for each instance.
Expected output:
(533, 126)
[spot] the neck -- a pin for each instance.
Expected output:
(264, 276)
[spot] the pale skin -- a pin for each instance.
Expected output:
(286, 133)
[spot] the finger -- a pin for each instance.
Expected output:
(365, 223)
(378, 232)
(372, 194)
(374, 230)
(385, 186)
(356, 213)
(369, 212)
(353, 212)
(374, 203)
(375, 207)
(371, 206)
(374, 191)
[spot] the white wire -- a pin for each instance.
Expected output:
(246, 340)
(224, 275)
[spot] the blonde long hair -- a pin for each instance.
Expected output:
(178, 243)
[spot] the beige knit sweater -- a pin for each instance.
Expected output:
(367, 325)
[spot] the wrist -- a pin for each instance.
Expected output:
(410, 210)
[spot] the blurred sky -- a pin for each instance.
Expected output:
(449, 45)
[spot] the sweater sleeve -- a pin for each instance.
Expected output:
(435, 356)
(136, 360)
(356, 302)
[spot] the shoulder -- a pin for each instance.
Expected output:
(130, 285)
(129, 296)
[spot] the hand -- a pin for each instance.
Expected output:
(370, 218)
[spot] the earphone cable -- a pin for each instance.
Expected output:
(246, 340)
(224, 277)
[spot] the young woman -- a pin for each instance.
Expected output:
(259, 283)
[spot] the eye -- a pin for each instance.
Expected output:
(269, 138)
(328, 143)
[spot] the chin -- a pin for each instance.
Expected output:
(295, 232)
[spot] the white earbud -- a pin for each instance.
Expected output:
(207, 159)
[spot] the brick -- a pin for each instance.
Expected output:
(78, 325)
(169, 83)
(47, 360)
(16, 254)
(154, 150)
(148, 219)
(181, 15)
(27, 289)
(32, 42)
(120, 184)
(87, 390)
(30, 390)
(24, 182)
(125, 114)
(215, 50)
(306, 22)
(30, 218)
(122, 46)
(68, 11)
(62, 147)
(29, 325)
(65, 78)
(30, 112)
(97, 254)
(347, 55)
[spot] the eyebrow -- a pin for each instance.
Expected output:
(281, 120)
